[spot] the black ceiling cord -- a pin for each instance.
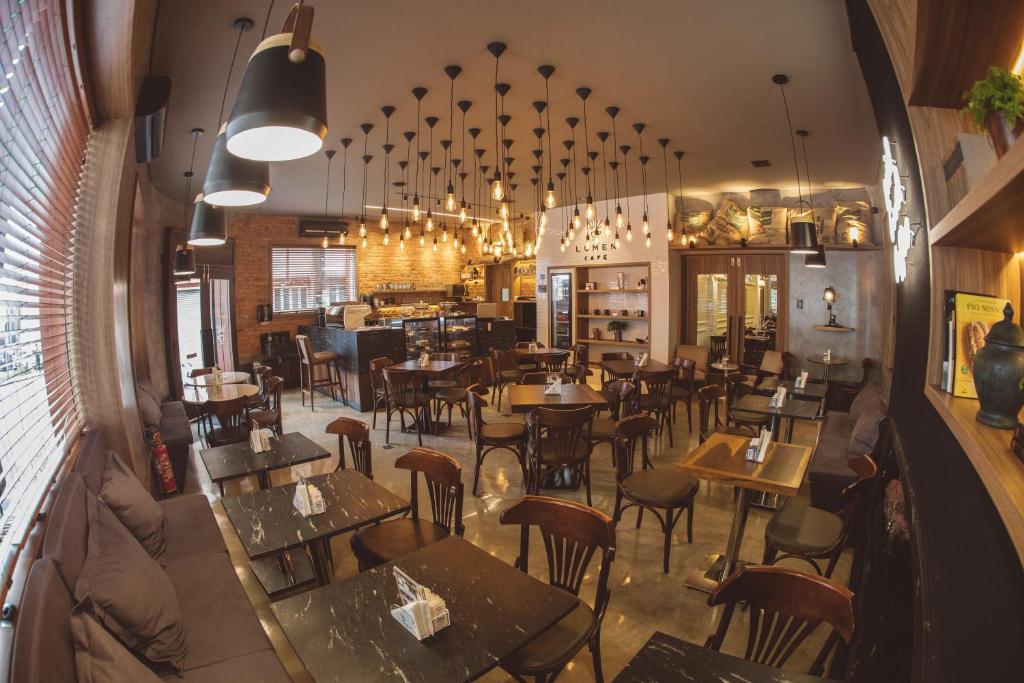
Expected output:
(242, 25)
(266, 22)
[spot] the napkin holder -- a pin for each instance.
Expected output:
(757, 449)
(259, 439)
(778, 399)
(424, 359)
(641, 360)
(308, 500)
(422, 612)
(801, 381)
(554, 389)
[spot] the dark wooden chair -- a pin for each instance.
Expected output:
(311, 361)
(656, 397)
(553, 361)
(621, 403)
(229, 421)
(685, 388)
(541, 378)
(270, 414)
(506, 371)
(381, 543)
(467, 376)
(404, 397)
(377, 389)
(559, 439)
(485, 374)
(843, 393)
(716, 348)
(259, 401)
(528, 364)
(784, 608)
(511, 436)
(573, 533)
(448, 381)
(580, 357)
(735, 389)
(709, 418)
(807, 533)
(612, 355)
(358, 435)
(647, 488)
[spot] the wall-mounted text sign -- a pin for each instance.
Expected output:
(593, 244)
(900, 234)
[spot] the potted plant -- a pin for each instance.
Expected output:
(616, 327)
(997, 105)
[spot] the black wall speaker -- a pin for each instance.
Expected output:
(150, 116)
(264, 313)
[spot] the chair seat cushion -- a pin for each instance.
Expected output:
(265, 418)
(453, 394)
(190, 527)
(648, 402)
(548, 451)
(442, 383)
(503, 431)
(660, 487)
(602, 429)
(510, 374)
(556, 644)
(749, 418)
(175, 430)
(375, 545)
(798, 526)
(769, 384)
(173, 409)
(324, 356)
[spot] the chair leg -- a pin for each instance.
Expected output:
(374, 412)
(639, 516)
(689, 522)
(476, 470)
(769, 554)
(595, 650)
(689, 414)
(617, 515)
(302, 388)
(669, 523)
(387, 425)
(832, 561)
(312, 388)
(586, 473)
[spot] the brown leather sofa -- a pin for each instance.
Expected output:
(170, 420)
(842, 436)
(226, 641)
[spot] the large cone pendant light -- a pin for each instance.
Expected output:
(208, 227)
(803, 235)
(280, 112)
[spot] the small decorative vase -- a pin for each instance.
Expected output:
(596, 332)
(1000, 133)
(618, 335)
(999, 374)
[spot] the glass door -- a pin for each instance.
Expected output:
(204, 324)
(220, 321)
(709, 304)
(561, 310)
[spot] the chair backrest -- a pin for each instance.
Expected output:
(199, 372)
(443, 476)
(866, 470)
(580, 354)
(658, 385)
(616, 355)
(735, 388)
(865, 371)
(358, 434)
(486, 370)
(572, 533)
(262, 375)
(476, 405)
(629, 433)
(504, 359)
(716, 347)
(305, 348)
(698, 354)
(469, 373)
(566, 433)
(621, 395)
(377, 366)
(274, 387)
(708, 400)
(539, 378)
(685, 368)
(233, 417)
(772, 363)
(452, 357)
(401, 386)
(526, 345)
(554, 361)
(785, 606)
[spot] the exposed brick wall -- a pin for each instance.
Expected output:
(255, 234)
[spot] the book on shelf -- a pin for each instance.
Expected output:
(969, 317)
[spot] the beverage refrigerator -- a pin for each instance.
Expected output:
(561, 310)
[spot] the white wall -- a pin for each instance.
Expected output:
(663, 307)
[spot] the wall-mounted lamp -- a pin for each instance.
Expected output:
(693, 243)
(830, 297)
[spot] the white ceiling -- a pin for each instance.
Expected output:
(696, 72)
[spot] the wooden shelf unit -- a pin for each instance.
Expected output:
(637, 298)
(831, 328)
(612, 342)
(611, 291)
(614, 317)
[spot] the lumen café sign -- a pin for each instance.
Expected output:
(594, 245)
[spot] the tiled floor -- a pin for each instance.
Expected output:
(643, 600)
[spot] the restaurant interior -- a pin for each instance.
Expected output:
(444, 341)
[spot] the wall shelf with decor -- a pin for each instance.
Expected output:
(831, 328)
(633, 299)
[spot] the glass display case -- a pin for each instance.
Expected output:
(459, 334)
(561, 310)
(421, 334)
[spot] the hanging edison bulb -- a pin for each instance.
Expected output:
(576, 221)
(463, 248)
(455, 242)
(476, 229)
(590, 208)
(504, 224)
(463, 215)
(646, 226)
(619, 221)
(497, 249)
(669, 232)
(384, 223)
(324, 243)
(435, 244)
(647, 241)
(341, 238)
(561, 246)
(607, 228)
(549, 196)
(618, 242)
(449, 200)
(362, 229)
(408, 232)
(444, 233)
(416, 213)
(503, 212)
(423, 242)
(387, 239)
(543, 220)
(430, 221)
(497, 189)
(401, 243)
(364, 243)
(629, 233)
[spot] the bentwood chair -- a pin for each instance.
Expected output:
(528, 364)
(573, 534)
(402, 389)
(541, 378)
(467, 375)
(231, 418)
(553, 361)
(485, 374)
(510, 436)
(657, 399)
(381, 543)
(699, 355)
(380, 399)
(580, 357)
(621, 403)
(709, 418)
(269, 415)
(446, 382)
(647, 488)
(559, 440)
(784, 607)
(612, 355)
(358, 436)
(807, 533)
(259, 401)
(311, 361)
(684, 388)
(735, 389)
(769, 373)
(506, 371)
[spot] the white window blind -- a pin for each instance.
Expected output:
(43, 135)
(307, 277)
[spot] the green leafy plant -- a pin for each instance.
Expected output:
(1000, 91)
(617, 325)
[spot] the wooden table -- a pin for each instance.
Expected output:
(664, 659)
(812, 391)
(723, 458)
(267, 524)
(230, 377)
(833, 362)
(238, 459)
(628, 368)
(726, 369)
(345, 631)
(526, 397)
(792, 410)
(214, 393)
(435, 369)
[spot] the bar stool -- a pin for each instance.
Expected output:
(311, 360)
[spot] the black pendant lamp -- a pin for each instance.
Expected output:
(280, 112)
(208, 227)
(803, 235)
(232, 180)
(817, 259)
(184, 260)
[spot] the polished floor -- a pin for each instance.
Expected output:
(643, 600)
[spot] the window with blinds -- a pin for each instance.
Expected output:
(305, 278)
(43, 134)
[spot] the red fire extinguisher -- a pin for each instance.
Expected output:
(163, 466)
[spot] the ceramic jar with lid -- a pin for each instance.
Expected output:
(999, 373)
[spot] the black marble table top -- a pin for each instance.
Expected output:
(238, 460)
(665, 659)
(267, 522)
(345, 631)
(813, 391)
(801, 410)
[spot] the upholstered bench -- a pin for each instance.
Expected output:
(168, 418)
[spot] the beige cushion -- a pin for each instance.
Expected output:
(150, 410)
(865, 433)
(131, 594)
(772, 362)
(323, 356)
(867, 399)
(99, 657)
(124, 494)
(698, 354)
